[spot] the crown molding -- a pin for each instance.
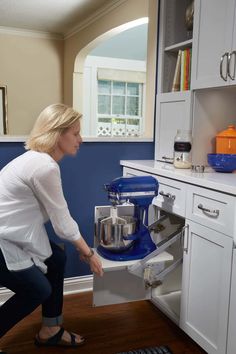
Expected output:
(94, 17)
(48, 35)
(29, 33)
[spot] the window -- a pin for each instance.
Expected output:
(119, 108)
(114, 100)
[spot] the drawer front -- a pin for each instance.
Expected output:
(171, 196)
(212, 209)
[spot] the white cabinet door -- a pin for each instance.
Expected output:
(206, 287)
(231, 346)
(212, 38)
(174, 111)
(232, 63)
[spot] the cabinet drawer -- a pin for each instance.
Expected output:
(171, 196)
(212, 209)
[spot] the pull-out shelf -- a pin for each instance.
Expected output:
(109, 265)
(125, 281)
(118, 285)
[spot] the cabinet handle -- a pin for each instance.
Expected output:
(168, 159)
(232, 77)
(167, 195)
(185, 228)
(215, 212)
(221, 65)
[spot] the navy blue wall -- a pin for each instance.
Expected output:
(83, 178)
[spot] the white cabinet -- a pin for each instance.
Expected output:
(212, 209)
(197, 295)
(206, 287)
(214, 41)
(173, 109)
(171, 196)
(231, 347)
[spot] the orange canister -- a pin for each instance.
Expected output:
(226, 141)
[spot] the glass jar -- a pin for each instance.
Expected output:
(182, 149)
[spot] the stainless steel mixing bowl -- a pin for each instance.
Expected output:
(116, 236)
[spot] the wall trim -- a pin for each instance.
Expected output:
(30, 33)
(19, 139)
(73, 285)
(62, 36)
(13, 138)
(94, 17)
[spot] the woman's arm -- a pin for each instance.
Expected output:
(48, 189)
(88, 256)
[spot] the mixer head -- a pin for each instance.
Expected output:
(139, 190)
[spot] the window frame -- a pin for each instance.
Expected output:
(112, 116)
(90, 109)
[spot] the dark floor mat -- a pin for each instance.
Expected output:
(151, 350)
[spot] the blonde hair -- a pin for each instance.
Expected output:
(50, 124)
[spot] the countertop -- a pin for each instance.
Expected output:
(222, 182)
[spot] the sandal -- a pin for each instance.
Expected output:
(57, 340)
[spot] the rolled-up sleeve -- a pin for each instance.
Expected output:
(47, 186)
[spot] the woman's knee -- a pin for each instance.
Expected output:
(43, 292)
(33, 284)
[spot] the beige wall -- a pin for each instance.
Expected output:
(32, 70)
(37, 71)
(126, 12)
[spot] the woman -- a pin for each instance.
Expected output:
(31, 193)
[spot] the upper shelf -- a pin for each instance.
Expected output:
(182, 45)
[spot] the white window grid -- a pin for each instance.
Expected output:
(113, 128)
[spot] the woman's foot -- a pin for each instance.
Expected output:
(48, 332)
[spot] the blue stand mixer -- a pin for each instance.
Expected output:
(125, 238)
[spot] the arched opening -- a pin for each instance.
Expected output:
(80, 88)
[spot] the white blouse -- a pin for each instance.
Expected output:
(30, 194)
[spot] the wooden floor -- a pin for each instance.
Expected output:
(108, 329)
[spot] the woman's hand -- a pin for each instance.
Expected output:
(94, 263)
(87, 255)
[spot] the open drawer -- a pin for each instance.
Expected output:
(127, 281)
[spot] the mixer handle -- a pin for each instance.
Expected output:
(145, 218)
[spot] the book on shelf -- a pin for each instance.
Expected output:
(176, 80)
(181, 80)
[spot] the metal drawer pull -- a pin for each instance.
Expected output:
(216, 212)
(186, 237)
(168, 159)
(167, 195)
(224, 77)
(232, 77)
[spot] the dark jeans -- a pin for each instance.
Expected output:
(32, 288)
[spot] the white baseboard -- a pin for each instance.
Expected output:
(72, 285)
(78, 284)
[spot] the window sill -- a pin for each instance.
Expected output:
(22, 138)
(116, 140)
(12, 138)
